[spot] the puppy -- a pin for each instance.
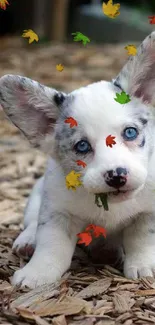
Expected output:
(126, 172)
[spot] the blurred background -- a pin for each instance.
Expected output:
(54, 21)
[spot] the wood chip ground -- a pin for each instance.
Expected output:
(87, 295)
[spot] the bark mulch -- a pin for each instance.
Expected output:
(87, 294)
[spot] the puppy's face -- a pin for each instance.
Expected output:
(40, 113)
(120, 171)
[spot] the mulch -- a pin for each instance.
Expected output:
(87, 294)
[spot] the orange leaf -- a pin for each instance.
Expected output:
(81, 163)
(110, 141)
(85, 238)
(72, 121)
(152, 19)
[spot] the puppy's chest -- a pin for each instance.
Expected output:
(117, 217)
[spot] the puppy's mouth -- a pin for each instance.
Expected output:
(118, 192)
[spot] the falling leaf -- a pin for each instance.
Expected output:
(97, 230)
(79, 37)
(81, 163)
(122, 98)
(59, 67)
(110, 141)
(91, 230)
(3, 4)
(31, 34)
(132, 50)
(152, 20)
(104, 200)
(72, 180)
(72, 121)
(111, 10)
(85, 238)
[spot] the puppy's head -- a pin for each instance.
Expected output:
(41, 113)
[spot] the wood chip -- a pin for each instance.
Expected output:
(121, 303)
(150, 292)
(95, 288)
(60, 320)
(69, 306)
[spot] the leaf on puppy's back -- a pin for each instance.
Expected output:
(95, 288)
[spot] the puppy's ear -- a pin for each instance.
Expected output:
(32, 107)
(137, 77)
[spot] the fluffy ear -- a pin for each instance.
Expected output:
(32, 107)
(137, 77)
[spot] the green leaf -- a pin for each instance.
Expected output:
(104, 200)
(80, 37)
(122, 98)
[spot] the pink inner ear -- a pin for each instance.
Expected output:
(140, 93)
(146, 83)
(46, 125)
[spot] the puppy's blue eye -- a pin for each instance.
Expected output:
(130, 134)
(82, 146)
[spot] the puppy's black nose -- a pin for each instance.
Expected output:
(116, 178)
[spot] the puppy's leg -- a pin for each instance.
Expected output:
(25, 243)
(55, 244)
(139, 246)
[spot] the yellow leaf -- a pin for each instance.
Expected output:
(72, 180)
(3, 4)
(111, 10)
(59, 67)
(29, 33)
(132, 50)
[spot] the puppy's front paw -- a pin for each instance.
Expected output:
(24, 244)
(137, 266)
(33, 276)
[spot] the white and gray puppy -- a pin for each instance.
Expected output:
(55, 214)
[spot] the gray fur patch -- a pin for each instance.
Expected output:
(142, 143)
(152, 231)
(117, 83)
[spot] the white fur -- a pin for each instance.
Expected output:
(54, 214)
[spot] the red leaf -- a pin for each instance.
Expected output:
(152, 19)
(99, 231)
(72, 121)
(90, 227)
(81, 163)
(85, 238)
(110, 141)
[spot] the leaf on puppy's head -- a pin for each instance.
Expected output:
(81, 163)
(110, 141)
(72, 180)
(122, 98)
(71, 121)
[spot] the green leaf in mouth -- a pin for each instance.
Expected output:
(104, 200)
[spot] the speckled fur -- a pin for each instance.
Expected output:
(54, 214)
